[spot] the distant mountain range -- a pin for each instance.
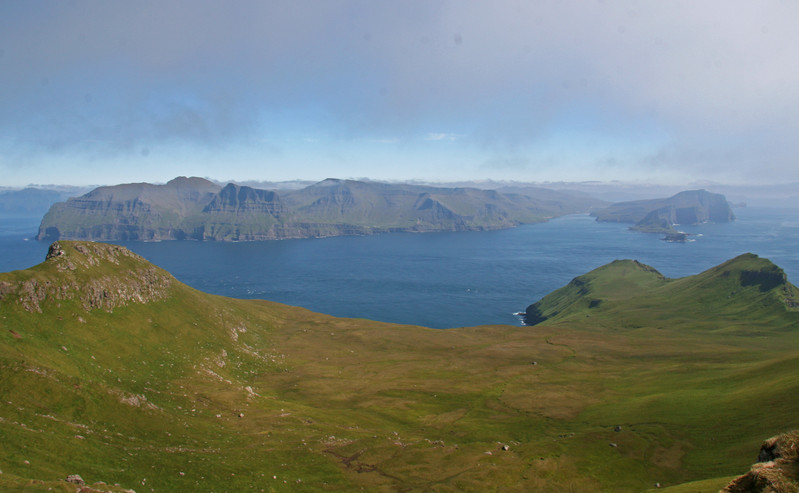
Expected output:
(195, 208)
(33, 201)
(661, 215)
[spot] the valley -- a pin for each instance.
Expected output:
(111, 366)
(313, 246)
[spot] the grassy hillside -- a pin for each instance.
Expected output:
(729, 296)
(113, 370)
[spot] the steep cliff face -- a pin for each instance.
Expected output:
(193, 208)
(137, 211)
(240, 201)
(430, 211)
(243, 213)
(698, 206)
(660, 215)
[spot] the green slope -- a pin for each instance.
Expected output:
(715, 355)
(733, 294)
(112, 369)
(585, 294)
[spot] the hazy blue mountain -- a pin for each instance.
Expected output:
(660, 215)
(31, 201)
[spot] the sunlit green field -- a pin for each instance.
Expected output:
(659, 381)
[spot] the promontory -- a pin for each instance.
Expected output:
(661, 215)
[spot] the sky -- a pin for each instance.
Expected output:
(106, 92)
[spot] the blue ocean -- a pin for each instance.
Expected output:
(439, 280)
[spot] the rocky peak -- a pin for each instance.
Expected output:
(85, 254)
(96, 275)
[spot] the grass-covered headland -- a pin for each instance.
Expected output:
(113, 370)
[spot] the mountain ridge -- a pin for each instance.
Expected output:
(194, 208)
(630, 285)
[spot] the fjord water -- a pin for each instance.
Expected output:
(439, 280)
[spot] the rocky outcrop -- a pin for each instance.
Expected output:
(75, 478)
(89, 281)
(764, 279)
(776, 470)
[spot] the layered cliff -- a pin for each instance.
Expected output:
(194, 208)
(661, 215)
(136, 211)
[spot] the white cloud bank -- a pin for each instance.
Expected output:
(682, 88)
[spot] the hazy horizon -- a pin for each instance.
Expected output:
(674, 92)
(451, 182)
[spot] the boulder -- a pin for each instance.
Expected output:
(75, 478)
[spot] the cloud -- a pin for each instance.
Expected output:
(715, 82)
(443, 136)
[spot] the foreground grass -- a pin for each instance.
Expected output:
(192, 392)
(704, 486)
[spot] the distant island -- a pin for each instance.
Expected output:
(198, 209)
(34, 201)
(661, 215)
